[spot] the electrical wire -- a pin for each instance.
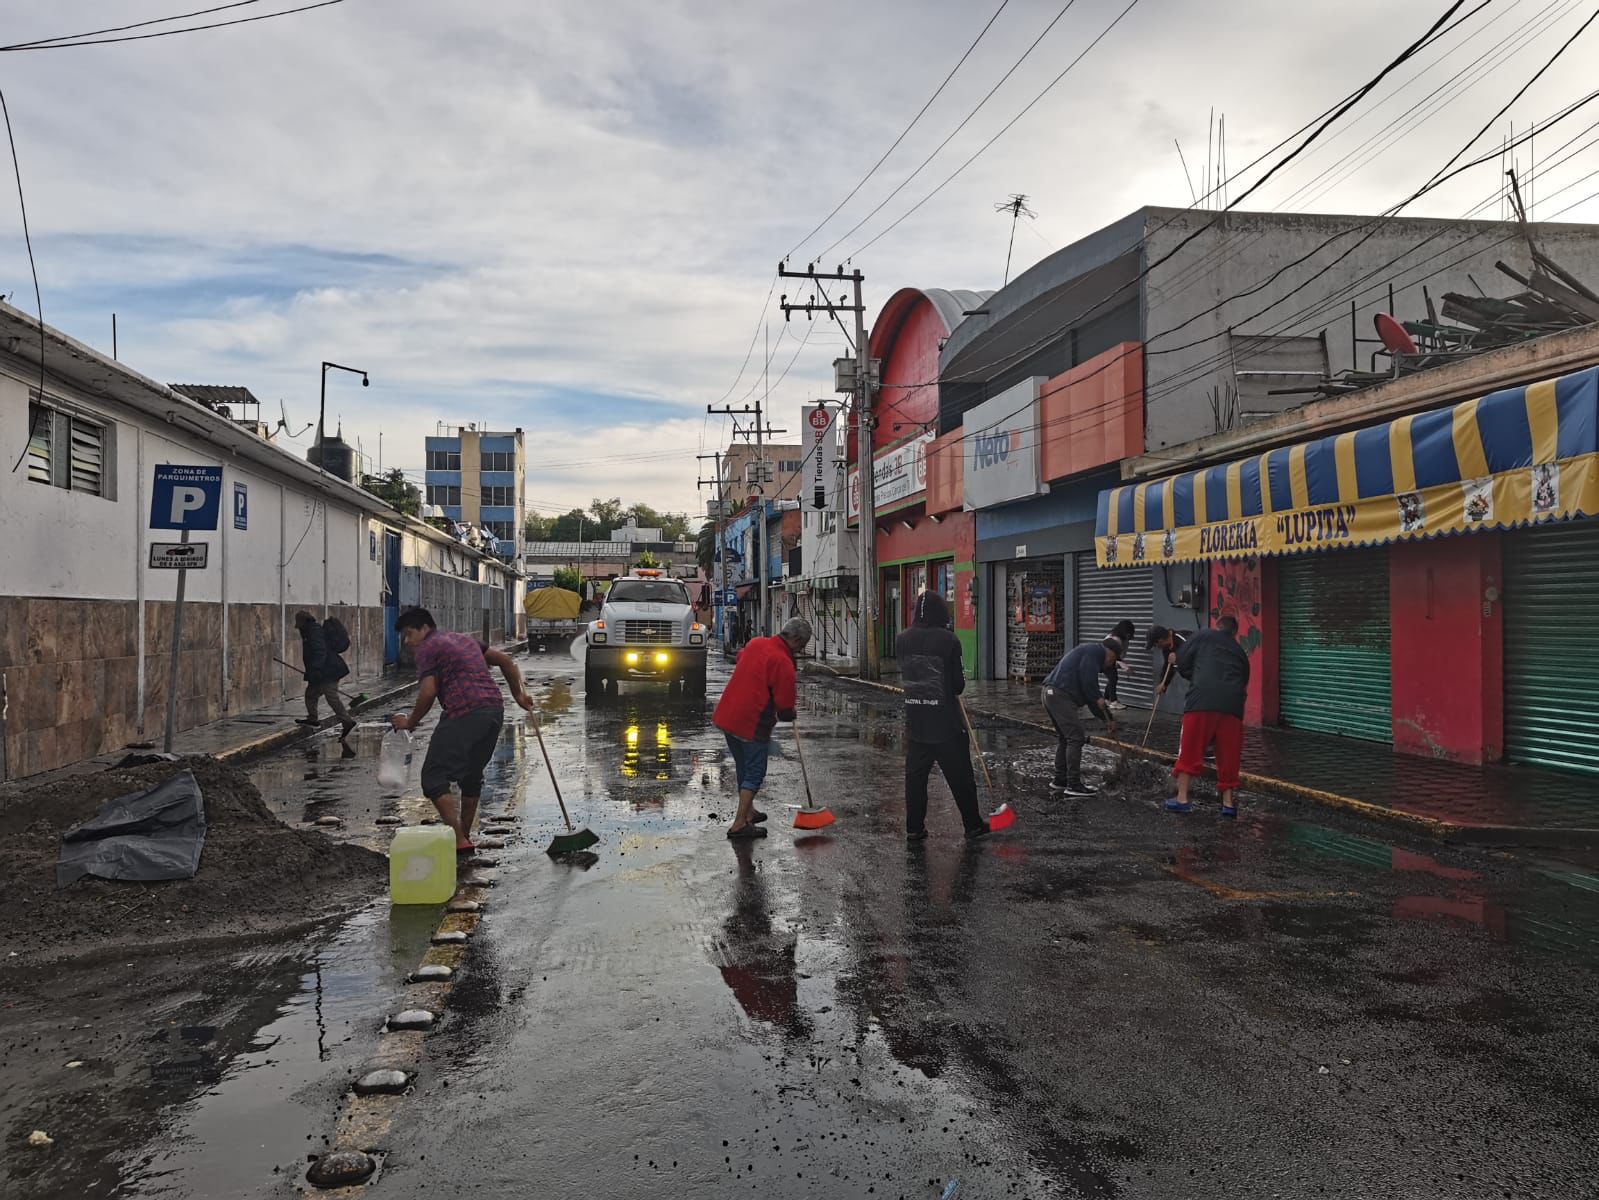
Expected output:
(203, 12)
(982, 33)
(38, 298)
(937, 150)
(141, 37)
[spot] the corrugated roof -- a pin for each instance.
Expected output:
(214, 394)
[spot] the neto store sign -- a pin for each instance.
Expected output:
(1001, 447)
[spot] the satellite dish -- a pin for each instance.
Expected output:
(1394, 335)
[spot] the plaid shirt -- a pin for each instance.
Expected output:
(456, 662)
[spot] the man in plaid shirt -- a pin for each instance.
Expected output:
(454, 669)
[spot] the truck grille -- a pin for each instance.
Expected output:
(648, 633)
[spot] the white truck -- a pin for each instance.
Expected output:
(646, 631)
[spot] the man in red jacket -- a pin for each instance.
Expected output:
(760, 694)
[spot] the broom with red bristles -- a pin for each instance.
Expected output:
(1004, 816)
(811, 816)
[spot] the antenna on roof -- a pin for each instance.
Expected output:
(1017, 207)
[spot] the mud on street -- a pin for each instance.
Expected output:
(1103, 1001)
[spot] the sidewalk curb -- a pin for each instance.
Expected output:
(268, 742)
(1434, 827)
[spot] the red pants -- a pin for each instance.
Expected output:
(1199, 730)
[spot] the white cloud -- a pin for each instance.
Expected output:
(566, 216)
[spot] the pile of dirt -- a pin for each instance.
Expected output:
(256, 874)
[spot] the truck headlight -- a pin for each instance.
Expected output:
(696, 639)
(631, 657)
(662, 658)
(597, 639)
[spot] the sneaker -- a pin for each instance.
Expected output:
(312, 721)
(1057, 789)
(1179, 806)
(1078, 791)
(918, 835)
(346, 729)
(1115, 706)
(1230, 811)
(980, 831)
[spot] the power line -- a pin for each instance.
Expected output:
(937, 150)
(902, 134)
(141, 37)
(38, 299)
(136, 25)
(950, 178)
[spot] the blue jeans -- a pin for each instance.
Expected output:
(750, 760)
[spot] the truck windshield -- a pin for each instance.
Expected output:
(653, 591)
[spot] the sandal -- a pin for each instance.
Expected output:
(751, 831)
(758, 817)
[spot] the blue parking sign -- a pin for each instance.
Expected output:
(241, 506)
(185, 497)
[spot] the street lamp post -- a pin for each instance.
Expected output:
(322, 406)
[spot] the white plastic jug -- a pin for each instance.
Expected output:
(394, 759)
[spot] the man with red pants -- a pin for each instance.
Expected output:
(1217, 670)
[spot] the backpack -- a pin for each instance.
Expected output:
(336, 635)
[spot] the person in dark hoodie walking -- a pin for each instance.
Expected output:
(1217, 670)
(929, 657)
(1071, 686)
(323, 670)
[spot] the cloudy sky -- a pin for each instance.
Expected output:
(566, 216)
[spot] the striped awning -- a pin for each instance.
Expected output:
(1518, 456)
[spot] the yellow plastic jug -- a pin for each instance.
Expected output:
(422, 865)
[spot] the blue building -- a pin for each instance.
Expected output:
(478, 478)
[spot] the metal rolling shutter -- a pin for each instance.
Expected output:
(1333, 643)
(1115, 594)
(1551, 576)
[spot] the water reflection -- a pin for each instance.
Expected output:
(756, 958)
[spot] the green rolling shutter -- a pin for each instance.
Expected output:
(1333, 643)
(1551, 577)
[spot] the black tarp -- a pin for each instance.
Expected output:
(143, 836)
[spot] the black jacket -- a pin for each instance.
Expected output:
(321, 664)
(1078, 674)
(1217, 670)
(929, 657)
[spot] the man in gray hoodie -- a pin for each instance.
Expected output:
(929, 657)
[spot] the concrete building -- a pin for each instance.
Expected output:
(1163, 328)
(823, 585)
(480, 478)
(786, 459)
(86, 624)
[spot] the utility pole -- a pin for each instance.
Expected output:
(719, 584)
(735, 413)
(869, 655)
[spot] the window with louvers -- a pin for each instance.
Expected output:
(66, 451)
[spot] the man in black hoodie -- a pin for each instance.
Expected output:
(929, 656)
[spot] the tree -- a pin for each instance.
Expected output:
(394, 489)
(606, 515)
(706, 550)
(537, 528)
(574, 525)
(648, 561)
(673, 526)
(569, 578)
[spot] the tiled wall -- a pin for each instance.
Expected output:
(71, 671)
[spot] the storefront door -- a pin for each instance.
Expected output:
(1104, 597)
(1551, 576)
(889, 606)
(1333, 643)
(1035, 617)
(915, 585)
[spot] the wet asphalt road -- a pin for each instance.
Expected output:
(1105, 1001)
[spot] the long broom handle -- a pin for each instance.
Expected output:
(804, 775)
(292, 667)
(983, 762)
(1155, 707)
(550, 767)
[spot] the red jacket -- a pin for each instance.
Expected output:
(761, 692)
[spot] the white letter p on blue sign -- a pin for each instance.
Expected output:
(186, 500)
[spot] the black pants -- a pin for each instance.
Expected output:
(1063, 714)
(954, 759)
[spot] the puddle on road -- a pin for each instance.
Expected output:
(270, 1072)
